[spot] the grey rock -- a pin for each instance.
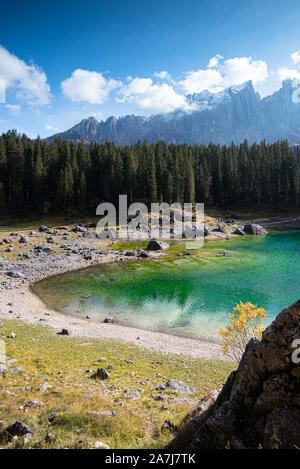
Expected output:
(144, 254)
(50, 438)
(3, 369)
(34, 404)
(234, 114)
(15, 274)
(44, 229)
(155, 245)
(79, 229)
(259, 403)
(18, 429)
(53, 416)
(109, 320)
(27, 438)
(16, 370)
(88, 235)
(253, 229)
(239, 232)
(101, 373)
(180, 387)
(13, 361)
(132, 395)
(130, 253)
(63, 332)
(45, 386)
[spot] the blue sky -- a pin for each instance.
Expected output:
(62, 61)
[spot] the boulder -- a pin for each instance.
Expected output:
(132, 395)
(101, 373)
(239, 232)
(63, 332)
(3, 369)
(109, 320)
(44, 229)
(180, 387)
(79, 229)
(143, 254)
(155, 245)
(220, 228)
(18, 429)
(23, 239)
(88, 235)
(16, 370)
(130, 253)
(259, 404)
(206, 231)
(34, 404)
(253, 229)
(15, 274)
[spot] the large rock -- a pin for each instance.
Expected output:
(259, 405)
(101, 373)
(155, 245)
(18, 429)
(180, 387)
(253, 229)
(239, 232)
(15, 274)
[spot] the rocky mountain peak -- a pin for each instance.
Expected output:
(233, 114)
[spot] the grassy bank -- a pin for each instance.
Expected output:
(63, 361)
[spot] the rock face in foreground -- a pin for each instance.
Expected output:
(259, 405)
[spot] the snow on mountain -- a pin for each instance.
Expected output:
(234, 114)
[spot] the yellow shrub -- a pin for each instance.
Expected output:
(245, 323)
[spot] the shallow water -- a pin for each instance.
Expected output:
(191, 295)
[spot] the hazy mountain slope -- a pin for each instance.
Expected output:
(235, 114)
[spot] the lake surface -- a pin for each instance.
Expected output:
(190, 295)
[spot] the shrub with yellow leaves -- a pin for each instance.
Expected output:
(245, 324)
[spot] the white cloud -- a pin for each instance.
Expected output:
(284, 73)
(51, 127)
(220, 75)
(13, 107)
(152, 97)
(214, 61)
(199, 80)
(163, 75)
(295, 56)
(28, 82)
(90, 87)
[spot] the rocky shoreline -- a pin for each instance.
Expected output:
(48, 252)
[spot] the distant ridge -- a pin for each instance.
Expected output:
(232, 115)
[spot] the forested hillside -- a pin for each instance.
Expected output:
(40, 177)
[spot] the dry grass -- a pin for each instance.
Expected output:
(137, 424)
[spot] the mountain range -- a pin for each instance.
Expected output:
(232, 115)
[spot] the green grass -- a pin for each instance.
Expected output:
(73, 394)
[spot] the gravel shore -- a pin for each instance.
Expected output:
(37, 258)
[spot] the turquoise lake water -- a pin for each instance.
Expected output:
(190, 295)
